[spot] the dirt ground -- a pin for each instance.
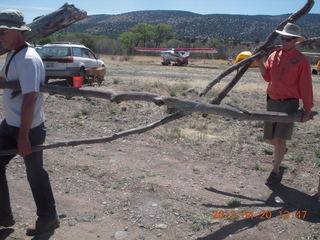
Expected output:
(194, 178)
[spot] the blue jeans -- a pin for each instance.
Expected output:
(37, 176)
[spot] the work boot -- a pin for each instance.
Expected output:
(274, 179)
(7, 221)
(43, 225)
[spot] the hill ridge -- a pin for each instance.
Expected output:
(195, 26)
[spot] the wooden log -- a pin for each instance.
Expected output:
(228, 71)
(55, 21)
(293, 18)
(180, 104)
(308, 42)
(232, 112)
(217, 100)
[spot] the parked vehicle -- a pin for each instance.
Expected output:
(66, 60)
(317, 69)
(313, 54)
(176, 56)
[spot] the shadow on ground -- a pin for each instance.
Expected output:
(306, 208)
(5, 232)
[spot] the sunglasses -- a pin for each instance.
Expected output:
(2, 33)
(286, 39)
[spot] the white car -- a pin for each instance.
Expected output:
(66, 60)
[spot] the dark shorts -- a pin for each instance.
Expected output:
(276, 129)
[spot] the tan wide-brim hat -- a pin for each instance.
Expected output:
(291, 30)
(12, 19)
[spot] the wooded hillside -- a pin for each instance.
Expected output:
(195, 26)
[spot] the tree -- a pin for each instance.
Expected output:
(162, 32)
(145, 35)
(128, 40)
(105, 45)
(213, 43)
(174, 43)
(144, 32)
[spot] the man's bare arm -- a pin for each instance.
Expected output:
(27, 110)
(261, 65)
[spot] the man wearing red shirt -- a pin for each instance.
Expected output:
(288, 74)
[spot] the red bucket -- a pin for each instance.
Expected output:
(77, 82)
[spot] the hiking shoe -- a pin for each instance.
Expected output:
(7, 221)
(275, 178)
(43, 225)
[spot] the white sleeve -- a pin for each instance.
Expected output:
(30, 75)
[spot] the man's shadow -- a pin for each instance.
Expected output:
(44, 236)
(294, 202)
(6, 232)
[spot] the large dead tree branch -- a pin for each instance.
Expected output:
(182, 105)
(291, 19)
(260, 51)
(115, 136)
(308, 42)
(243, 62)
(186, 107)
(230, 70)
(217, 100)
(55, 21)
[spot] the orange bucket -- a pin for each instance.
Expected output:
(77, 82)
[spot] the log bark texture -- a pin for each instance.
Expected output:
(217, 100)
(55, 21)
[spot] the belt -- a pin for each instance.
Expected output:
(284, 99)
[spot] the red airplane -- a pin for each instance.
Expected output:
(179, 56)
